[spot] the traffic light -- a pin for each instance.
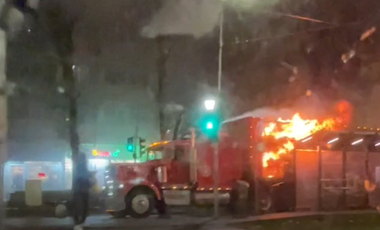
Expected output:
(210, 119)
(142, 145)
(131, 144)
(210, 125)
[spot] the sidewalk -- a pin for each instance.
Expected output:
(284, 215)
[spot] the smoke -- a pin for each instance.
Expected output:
(185, 17)
(197, 17)
(309, 107)
(33, 4)
(265, 113)
(12, 18)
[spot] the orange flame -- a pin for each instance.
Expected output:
(289, 131)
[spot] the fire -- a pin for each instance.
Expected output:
(280, 136)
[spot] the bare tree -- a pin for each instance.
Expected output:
(163, 55)
(60, 21)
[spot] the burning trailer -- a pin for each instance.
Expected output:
(268, 148)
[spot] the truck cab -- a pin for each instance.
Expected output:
(175, 171)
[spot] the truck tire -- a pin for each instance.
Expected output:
(140, 203)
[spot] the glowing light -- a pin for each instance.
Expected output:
(42, 175)
(357, 142)
(97, 153)
(130, 148)
(333, 140)
(307, 139)
(210, 104)
(116, 153)
(98, 163)
(377, 144)
(209, 125)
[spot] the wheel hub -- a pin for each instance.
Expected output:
(140, 204)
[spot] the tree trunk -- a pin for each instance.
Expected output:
(161, 78)
(177, 126)
(61, 29)
(68, 76)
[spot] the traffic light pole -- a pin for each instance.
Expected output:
(216, 180)
(216, 145)
(135, 140)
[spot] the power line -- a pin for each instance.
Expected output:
(331, 27)
(304, 18)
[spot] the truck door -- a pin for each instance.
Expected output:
(179, 169)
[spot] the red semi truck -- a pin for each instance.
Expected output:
(181, 172)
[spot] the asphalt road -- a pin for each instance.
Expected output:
(311, 220)
(106, 222)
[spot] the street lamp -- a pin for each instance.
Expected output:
(210, 104)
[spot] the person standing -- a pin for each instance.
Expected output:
(81, 192)
(160, 204)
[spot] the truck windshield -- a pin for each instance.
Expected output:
(158, 153)
(155, 155)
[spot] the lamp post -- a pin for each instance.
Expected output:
(216, 149)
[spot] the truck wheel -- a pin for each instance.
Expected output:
(140, 203)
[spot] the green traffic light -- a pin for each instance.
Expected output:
(130, 148)
(209, 125)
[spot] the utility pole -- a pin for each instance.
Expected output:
(216, 147)
(3, 122)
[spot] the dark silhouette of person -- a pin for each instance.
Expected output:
(160, 204)
(81, 192)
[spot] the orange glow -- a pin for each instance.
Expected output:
(344, 111)
(279, 137)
